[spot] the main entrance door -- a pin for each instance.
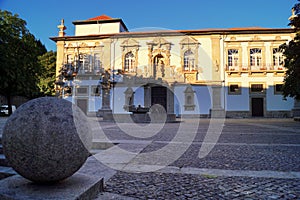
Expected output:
(159, 96)
(257, 107)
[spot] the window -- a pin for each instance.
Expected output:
(234, 89)
(96, 90)
(97, 62)
(233, 58)
(129, 62)
(81, 91)
(86, 62)
(277, 58)
(257, 88)
(255, 57)
(188, 61)
(278, 88)
(80, 61)
(68, 68)
(70, 60)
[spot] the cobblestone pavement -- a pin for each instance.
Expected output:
(253, 159)
(249, 146)
(186, 186)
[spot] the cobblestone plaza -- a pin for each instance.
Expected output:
(254, 158)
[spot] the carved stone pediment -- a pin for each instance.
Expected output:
(189, 40)
(130, 43)
(160, 43)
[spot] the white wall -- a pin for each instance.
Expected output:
(90, 29)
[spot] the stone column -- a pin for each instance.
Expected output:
(147, 96)
(217, 111)
(105, 111)
(171, 116)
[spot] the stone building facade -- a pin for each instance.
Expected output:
(109, 71)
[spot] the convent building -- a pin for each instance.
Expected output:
(235, 72)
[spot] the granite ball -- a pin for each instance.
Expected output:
(47, 139)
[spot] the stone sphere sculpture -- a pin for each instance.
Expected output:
(47, 139)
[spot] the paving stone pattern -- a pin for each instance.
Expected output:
(186, 186)
(268, 148)
(245, 144)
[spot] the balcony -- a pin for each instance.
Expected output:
(261, 69)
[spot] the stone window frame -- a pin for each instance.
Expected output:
(262, 64)
(189, 60)
(129, 63)
(257, 83)
(237, 92)
(279, 58)
(276, 92)
(239, 62)
(130, 45)
(95, 90)
(79, 92)
(189, 44)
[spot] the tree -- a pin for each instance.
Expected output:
(47, 79)
(19, 66)
(291, 51)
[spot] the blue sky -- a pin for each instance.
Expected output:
(43, 16)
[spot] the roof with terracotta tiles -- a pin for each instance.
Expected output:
(101, 17)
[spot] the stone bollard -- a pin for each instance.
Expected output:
(47, 139)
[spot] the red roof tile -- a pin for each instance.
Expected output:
(101, 17)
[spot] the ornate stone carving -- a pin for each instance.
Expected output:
(191, 45)
(130, 45)
(159, 57)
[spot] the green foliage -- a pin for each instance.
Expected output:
(20, 69)
(47, 79)
(291, 51)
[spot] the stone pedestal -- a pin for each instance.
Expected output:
(105, 111)
(140, 117)
(217, 111)
(78, 186)
(106, 114)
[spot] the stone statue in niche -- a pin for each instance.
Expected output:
(160, 68)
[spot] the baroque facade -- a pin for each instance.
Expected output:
(237, 72)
